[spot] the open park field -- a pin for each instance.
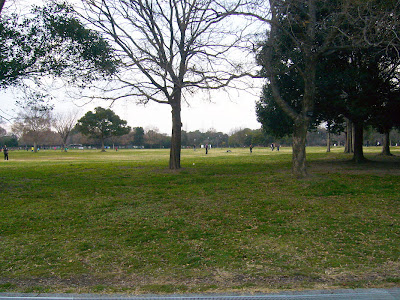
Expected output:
(86, 221)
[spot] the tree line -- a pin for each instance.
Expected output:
(38, 127)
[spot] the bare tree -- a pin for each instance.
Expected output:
(169, 49)
(33, 124)
(64, 123)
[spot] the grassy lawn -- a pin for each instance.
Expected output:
(86, 221)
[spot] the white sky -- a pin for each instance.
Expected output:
(225, 112)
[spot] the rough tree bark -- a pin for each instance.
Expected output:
(176, 144)
(386, 144)
(299, 167)
(348, 148)
(358, 156)
(328, 140)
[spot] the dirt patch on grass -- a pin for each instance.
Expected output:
(217, 282)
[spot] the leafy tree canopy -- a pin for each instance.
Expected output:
(138, 136)
(52, 41)
(101, 124)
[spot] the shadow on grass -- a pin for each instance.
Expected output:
(373, 164)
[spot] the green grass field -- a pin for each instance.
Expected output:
(121, 222)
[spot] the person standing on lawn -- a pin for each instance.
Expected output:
(5, 150)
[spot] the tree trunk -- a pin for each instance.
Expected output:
(102, 145)
(348, 148)
(328, 140)
(35, 147)
(310, 56)
(175, 151)
(353, 137)
(386, 143)
(299, 149)
(64, 142)
(358, 156)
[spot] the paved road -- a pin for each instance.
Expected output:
(357, 294)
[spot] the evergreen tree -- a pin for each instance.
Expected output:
(101, 124)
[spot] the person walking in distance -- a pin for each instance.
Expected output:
(5, 150)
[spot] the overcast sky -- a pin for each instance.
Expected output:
(225, 112)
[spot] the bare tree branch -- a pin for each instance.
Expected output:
(171, 48)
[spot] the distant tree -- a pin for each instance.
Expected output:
(194, 138)
(138, 136)
(332, 128)
(241, 138)
(10, 141)
(101, 124)
(64, 123)
(154, 139)
(213, 138)
(33, 122)
(387, 115)
(78, 138)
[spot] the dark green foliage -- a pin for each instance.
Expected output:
(11, 60)
(273, 119)
(211, 137)
(389, 114)
(51, 41)
(101, 124)
(87, 46)
(2, 4)
(138, 136)
(353, 79)
(362, 86)
(10, 141)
